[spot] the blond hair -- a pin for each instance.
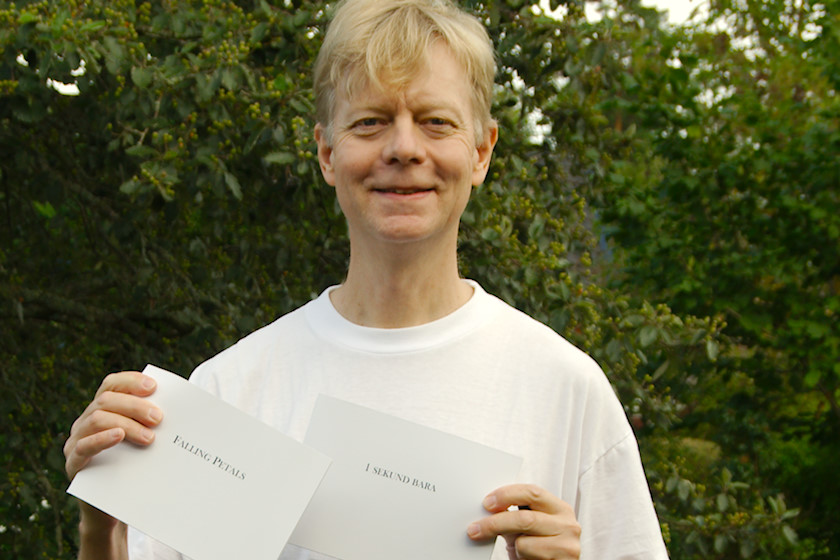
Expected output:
(385, 44)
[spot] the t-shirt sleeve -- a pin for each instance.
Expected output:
(616, 510)
(142, 547)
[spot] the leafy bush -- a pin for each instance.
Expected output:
(175, 204)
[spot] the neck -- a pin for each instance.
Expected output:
(400, 291)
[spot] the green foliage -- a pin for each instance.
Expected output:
(175, 204)
(719, 148)
(155, 217)
(710, 514)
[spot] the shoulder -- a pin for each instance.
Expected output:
(253, 350)
(527, 336)
(545, 359)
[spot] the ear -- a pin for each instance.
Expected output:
(484, 152)
(325, 153)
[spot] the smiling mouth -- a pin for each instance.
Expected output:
(404, 190)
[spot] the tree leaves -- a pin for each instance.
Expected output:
(717, 204)
(280, 158)
(176, 203)
(233, 184)
(141, 77)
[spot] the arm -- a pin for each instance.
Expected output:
(100, 535)
(118, 412)
(546, 529)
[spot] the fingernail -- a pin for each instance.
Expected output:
(489, 502)
(148, 383)
(147, 435)
(473, 530)
(155, 415)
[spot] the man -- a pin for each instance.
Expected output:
(403, 94)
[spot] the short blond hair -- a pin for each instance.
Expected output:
(385, 43)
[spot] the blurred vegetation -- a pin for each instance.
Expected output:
(665, 197)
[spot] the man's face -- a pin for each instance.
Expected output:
(403, 165)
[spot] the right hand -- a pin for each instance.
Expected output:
(118, 412)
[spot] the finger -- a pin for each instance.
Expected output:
(79, 453)
(507, 523)
(130, 382)
(559, 547)
(118, 412)
(103, 420)
(98, 430)
(138, 409)
(524, 496)
(510, 542)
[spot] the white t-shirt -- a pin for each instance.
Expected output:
(487, 373)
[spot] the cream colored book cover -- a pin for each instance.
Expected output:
(396, 489)
(216, 483)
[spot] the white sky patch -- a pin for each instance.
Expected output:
(60, 87)
(539, 130)
(811, 30)
(561, 81)
(80, 71)
(712, 97)
(544, 7)
(679, 11)
(68, 89)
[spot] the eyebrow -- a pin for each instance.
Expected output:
(423, 105)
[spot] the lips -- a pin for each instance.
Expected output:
(404, 190)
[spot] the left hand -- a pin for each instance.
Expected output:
(548, 530)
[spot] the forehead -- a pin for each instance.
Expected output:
(437, 79)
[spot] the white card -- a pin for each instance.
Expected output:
(396, 489)
(216, 483)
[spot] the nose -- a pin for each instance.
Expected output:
(404, 144)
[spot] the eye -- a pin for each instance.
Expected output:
(368, 125)
(438, 122)
(439, 125)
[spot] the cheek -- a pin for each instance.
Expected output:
(346, 168)
(460, 169)
(350, 208)
(462, 158)
(462, 189)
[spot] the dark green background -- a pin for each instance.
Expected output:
(666, 198)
